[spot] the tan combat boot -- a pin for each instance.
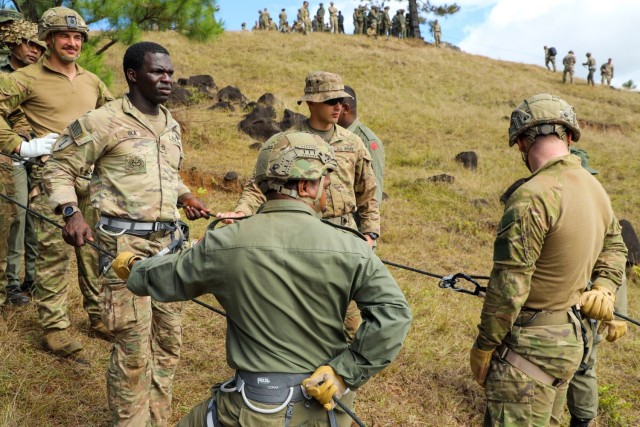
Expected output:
(60, 342)
(99, 329)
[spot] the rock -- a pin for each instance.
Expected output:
(480, 203)
(443, 177)
(182, 81)
(267, 100)
(260, 128)
(205, 90)
(179, 96)
(222, 106)
(231, 176)
(202, 80)
(233, 96)
(469, 159)
(291, 118)
(256, 146)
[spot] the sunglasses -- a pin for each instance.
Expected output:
(334, 101)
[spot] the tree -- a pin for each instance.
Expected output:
(629, 85)
(419, 10)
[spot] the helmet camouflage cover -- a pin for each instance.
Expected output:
(8, 15)
(61, 19)
(542, 113)
(293, 156)
(18, 31)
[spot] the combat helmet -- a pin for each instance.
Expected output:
(19, 30)
(543, 114)
(61, 19)
(293, 156)
(8, 15)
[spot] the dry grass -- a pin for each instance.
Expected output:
(426, 105)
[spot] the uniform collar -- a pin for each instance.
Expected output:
(354, 125)
(47, 64)
(130, 109)
(281, 205)
(568, 160)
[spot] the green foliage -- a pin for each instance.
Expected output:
(629, 85)
(612, 407)
(92, 62)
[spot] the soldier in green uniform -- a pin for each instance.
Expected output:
(402, 20)
(302, 272)
(135, 146)
(386, 22)
(591, 67)
(320, 17)
(569, 63)
(284, 25)
(21, 38)
(49, 107)
(543, 259)
(372, 21)
(437, 33)
(606, 73)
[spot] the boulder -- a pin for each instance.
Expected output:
(267, 100)
(291, 118)
(257, 127)
(443, 177)
(202, 80)
(233, 96)
(222, 106)
(469, 159)
(179, 96)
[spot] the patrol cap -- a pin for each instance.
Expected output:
(61, 19)
(322, 86)
(584, 159)
(20, 30)
(8, 15)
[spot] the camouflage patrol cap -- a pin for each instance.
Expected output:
(584, 159)
(18, 31)
(322, 86)
(542, 113)
(61, 19)
(8, 15)
(293, 156)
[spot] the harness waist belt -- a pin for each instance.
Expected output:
(271, 388)
(129, 225)
(340, 220)
(542, 318)
(527, 367)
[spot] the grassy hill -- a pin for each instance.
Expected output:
(427, 105)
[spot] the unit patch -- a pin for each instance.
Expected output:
(135, 164)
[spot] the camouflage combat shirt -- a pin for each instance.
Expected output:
(558, 231)
(376, 150)
(353, 184)
(17, 120)
(137, 170)
(285, 280)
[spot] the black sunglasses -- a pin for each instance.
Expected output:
(334, 101)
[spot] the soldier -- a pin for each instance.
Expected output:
(140, 131)
(7, 16)
(264, 20)
(569, 62)
(333, 18)
(350, 120)
(386, 22)
(21, 38)
(265, 347)
(372, 22)
(354, 186)
(49, 106)
(437, 33)
(606, 73)
(315, 24)
(542, 260)
(320, 16)
(591, 66)
(244, 26)
(340, 22)
(306, 20)
(259, 23)
(283, 19)
(550, 58)
(360, 18)
(403, 23)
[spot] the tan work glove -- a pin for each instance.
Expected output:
(123, 263)
(480, 361)
(323, 384)
(597, 303)
(615, 329)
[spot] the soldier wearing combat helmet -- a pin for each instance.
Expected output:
(302, 272)
(558, 232)
(7, 16)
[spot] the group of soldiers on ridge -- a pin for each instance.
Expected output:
(569, 62)
(286, 279)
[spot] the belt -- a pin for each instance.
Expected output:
(527, 367)
(542, 318)
(340, 220)
(137, 228)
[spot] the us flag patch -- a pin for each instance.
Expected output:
(374, 145)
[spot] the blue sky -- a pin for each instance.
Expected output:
(512, 30)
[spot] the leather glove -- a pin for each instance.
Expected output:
(597, 303)
(323, 384)
(480, 360)
(123, 263)
(38, 146)
(615, 329)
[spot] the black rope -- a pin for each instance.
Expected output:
(349, 412)
(18, 158)
(426, 273)
(93, 245)
(628, 319)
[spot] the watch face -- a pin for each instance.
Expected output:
(68, 211)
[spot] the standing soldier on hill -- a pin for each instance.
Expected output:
(306, 18)
(606, 72)
(333, 18)
(264, 20)
(569, 63)
(135, 146)
(403, 23)
(372, 22)
(591, 66)
(550, 58)
(260, 26)
(21, 38)
(320, 15)
(52, 93)
(283, 20)
(354, 183)
(360, 18)
(386, 22)
(437, 33)
(340, 22)
(543, 258)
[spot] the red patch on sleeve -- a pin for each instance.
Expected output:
(374, 145)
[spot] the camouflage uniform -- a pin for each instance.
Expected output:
(306, 20)
(569, 62)
(283, 20)
(549, 59)
(386, 23)
(129, 155)
(333, 19)
(372, 22)
(606, 73)
(437, 33)
(591, 66)
(6, 17)
(7, 215)
(542, 261)
(320, 14)
(264, 20)
(37, 90)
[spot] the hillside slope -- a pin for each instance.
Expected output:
(426, 105)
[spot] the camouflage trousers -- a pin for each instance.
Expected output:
(605, 79)
(52, 266)
(582, 396)
(567, 72)
(233, 412)
(7, 215)
(514, 398)
(148, 340)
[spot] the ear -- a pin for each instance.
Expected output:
(307, 188)
(569, 138)
(521, 145)
(131, 75)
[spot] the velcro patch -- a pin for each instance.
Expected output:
(135, 164)
(344, 147)
(132, 133)
(62, 143)
(374, 145)
(79, 133)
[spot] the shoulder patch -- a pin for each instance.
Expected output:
(79, 133)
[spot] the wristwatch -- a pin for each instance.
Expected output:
(373, 236)
(69, 211)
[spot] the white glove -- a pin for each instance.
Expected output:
(38, 146)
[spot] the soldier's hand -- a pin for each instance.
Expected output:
(227, 217)
(323, 384)
(597, 303)
(615, 329)
(480, 361)
(123, 263)
(193, 207)
(76, 231)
